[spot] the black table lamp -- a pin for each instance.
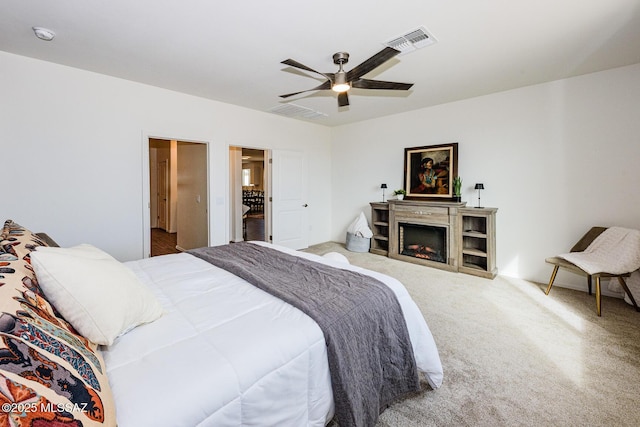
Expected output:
(479, 186)
(383, 186)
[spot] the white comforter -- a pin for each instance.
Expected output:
(228, 354)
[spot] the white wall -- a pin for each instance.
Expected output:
(555, 159)
(72, 152)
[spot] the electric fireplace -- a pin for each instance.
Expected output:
(424, 233)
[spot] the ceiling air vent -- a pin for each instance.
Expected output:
(293, 110)
(411, 41)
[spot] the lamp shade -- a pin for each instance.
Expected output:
(479, 186)
(383, 185)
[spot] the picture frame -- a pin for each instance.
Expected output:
(429, 171)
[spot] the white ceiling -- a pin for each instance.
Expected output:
(231, 51)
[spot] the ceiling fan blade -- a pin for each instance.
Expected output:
(296, 64)
(379, 84)
(343, 99)
(325, 85)
(372, 63)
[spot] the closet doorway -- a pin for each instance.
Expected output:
(178, 205)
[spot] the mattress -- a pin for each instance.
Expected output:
(227, 354)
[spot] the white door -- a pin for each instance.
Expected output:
(289, 206)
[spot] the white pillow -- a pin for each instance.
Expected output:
(98, 295)
(335, 256)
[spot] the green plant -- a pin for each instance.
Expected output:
(457, 186)
(400, 191)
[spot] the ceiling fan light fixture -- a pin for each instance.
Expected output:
(340, 83)
(343, 87)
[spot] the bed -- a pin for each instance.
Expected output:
(221, 352)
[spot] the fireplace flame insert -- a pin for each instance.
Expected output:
(427, 242)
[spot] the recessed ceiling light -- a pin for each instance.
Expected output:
(44, 33)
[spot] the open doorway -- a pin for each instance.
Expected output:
(249, 194)
(178, 205)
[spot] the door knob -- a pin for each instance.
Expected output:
(305, 205)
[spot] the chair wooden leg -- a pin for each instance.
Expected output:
(598, 296)
(626, 289)
(553, 277)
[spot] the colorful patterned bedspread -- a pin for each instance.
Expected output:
(49, 374)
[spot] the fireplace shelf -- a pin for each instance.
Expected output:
(478, 245)
(474, 252)
(465, 236)
(380, 222)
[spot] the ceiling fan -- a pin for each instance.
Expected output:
(342, 81)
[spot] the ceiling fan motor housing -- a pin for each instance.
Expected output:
(340, 58)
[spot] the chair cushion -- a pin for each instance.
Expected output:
(575, 269)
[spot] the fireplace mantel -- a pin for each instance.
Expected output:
(469, 234)
(437, 214)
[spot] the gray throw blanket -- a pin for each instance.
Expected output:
(369, 351)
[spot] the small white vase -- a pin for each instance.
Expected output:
(400, 196)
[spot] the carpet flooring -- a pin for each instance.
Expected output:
(513, 356)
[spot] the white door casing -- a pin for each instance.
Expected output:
(147, 157)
